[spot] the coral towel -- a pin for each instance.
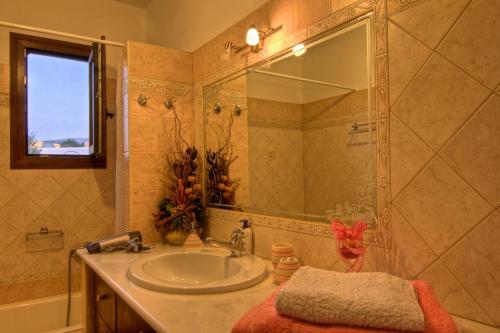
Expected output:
(264, 318)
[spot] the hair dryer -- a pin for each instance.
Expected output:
(117, 240)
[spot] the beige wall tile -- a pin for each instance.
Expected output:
(7, 191)
(409, 154)
(159, 63)
(46, 219)
(473, 43)
(105, 177)
(4, 79)
(66, 208)
(43, 190)
(19, 178)
(439, 101)
(42, 268)
(144, 203)
(147, 135)
(4, 115)
(88, 227)
(474, 152)
(8, 232)
(340, 4)
(85, 189)
(441, 206)
(409, 253)
(479, 249)
(71, 241)
(451, 294)
(14, 261)
(65, 177)
(29, 290)
(20, 211)
(308, 12)
(406, 56)
(429, 21)
(5, 148)
(104, 206)
(149, 169)
(6, 293)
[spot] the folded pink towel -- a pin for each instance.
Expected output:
(264, 318)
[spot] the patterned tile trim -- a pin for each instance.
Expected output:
(158, 87)
(297, 226)
(396, 6)
(310, 228)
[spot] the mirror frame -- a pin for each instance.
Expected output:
(376, 9)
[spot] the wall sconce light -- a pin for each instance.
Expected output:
(299, 50)
(254, 39)
(253, 36)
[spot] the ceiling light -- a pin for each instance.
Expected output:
(299, 50)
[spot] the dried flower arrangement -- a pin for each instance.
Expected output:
(182, 208)
(221, 188)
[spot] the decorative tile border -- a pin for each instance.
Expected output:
(380, 236)
(396, 6)
(299, 226)
(158, 87)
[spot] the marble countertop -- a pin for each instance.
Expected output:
(174, 313)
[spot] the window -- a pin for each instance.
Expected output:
(57, 104)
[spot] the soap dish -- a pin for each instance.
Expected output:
(193, 241)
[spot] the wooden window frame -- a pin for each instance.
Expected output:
(19, 157)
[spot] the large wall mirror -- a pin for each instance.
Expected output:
(296, 135)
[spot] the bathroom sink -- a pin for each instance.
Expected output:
(204, 271)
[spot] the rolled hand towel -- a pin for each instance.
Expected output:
(376, 300)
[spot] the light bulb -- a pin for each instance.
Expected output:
(253, 36)
(299, 50)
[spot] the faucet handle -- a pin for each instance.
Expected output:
(236, 236)
(245, 223)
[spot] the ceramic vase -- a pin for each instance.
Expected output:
(176, 237)
(280, 250)
(285, 269)
(192, 242)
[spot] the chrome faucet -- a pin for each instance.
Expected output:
(235, 244)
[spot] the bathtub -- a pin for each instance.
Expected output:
(41, 315)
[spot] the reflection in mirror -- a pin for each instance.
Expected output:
(296, 136)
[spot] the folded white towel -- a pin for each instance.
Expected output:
(376, 300)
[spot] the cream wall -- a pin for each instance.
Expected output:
(187, 24)
(444, 76)
(117, 21)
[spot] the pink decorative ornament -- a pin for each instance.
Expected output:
(350, 243)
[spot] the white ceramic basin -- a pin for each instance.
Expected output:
(197, 272)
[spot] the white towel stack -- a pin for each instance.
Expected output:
(376, 300)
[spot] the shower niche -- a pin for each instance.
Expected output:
(298, 135)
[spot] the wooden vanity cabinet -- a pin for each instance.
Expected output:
(105, 311)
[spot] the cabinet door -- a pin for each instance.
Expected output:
(128, 321)
(100, 326)
(105, 303)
